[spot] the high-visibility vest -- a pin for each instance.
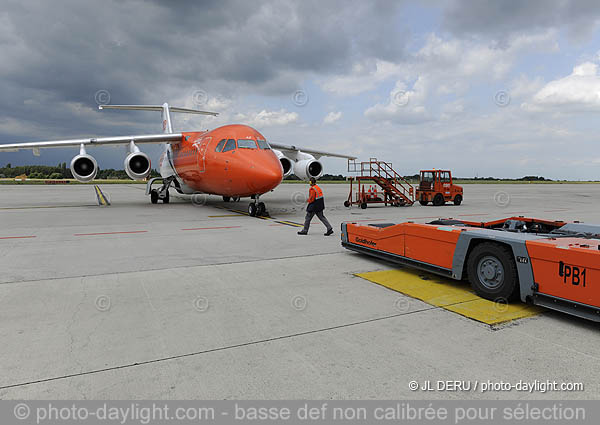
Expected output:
(318, 203)
(318, 191)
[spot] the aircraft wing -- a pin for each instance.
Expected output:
(316, 153)
(100, 141)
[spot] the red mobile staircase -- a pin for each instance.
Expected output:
(395, 189)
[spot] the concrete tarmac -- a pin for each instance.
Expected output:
(192, 300)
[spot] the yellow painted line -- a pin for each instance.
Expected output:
(290, 223)
(101, 198)
(287, 223)
(449, 294)
(226, 215)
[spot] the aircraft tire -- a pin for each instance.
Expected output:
(252, 210)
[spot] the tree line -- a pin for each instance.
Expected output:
(61, 171)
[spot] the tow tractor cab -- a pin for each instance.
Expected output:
(436, 186)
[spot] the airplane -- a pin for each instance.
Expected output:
(232, 161)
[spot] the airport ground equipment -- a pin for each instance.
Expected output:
(436, 186)
(395, 190)
(553, 264)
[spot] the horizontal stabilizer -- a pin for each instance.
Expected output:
(158, 108)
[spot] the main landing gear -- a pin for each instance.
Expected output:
(256, 208)
(162, 193)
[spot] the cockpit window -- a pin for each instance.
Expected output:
(246, 144)
(229, 146)
(263, 144)
(219, 147)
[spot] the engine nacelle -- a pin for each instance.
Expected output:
(84, 167)
(286, 163)
(307, 168)
(138, 165)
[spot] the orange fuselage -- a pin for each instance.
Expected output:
(237, 172)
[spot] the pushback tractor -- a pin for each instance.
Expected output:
(552, 264)
(436, 186)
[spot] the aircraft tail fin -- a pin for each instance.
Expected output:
(164, 108)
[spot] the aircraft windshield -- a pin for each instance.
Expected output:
(263, 144)
(246, 144)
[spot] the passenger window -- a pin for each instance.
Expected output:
(219, 147)
(229, 146)
(446, 177)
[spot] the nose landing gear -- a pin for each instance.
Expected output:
(257, 209)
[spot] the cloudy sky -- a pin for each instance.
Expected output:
(500, 88)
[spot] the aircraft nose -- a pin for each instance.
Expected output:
(267, 178)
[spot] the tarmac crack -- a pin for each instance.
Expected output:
(216, 350)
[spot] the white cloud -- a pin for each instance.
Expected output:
(453, 109)
(364, 76)
(524, 86)
(332, 117)
(578, 91)
(266, 118)
(452, 65)
(404, 106)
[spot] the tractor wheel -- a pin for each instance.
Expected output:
(457, 199)
(166, 198)
(423, 202)
(154, 197)
(226, 198)
(492, 272)
(438, 200)
(363, 205)
(346, 204)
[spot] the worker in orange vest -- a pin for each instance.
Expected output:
(316, 205)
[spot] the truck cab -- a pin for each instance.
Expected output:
(436, 186)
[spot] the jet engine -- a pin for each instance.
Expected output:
(286, 163)
(308, 167)
(137, 165)
(84, 167)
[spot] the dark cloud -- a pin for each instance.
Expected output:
(61, 53)
(500, 18)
